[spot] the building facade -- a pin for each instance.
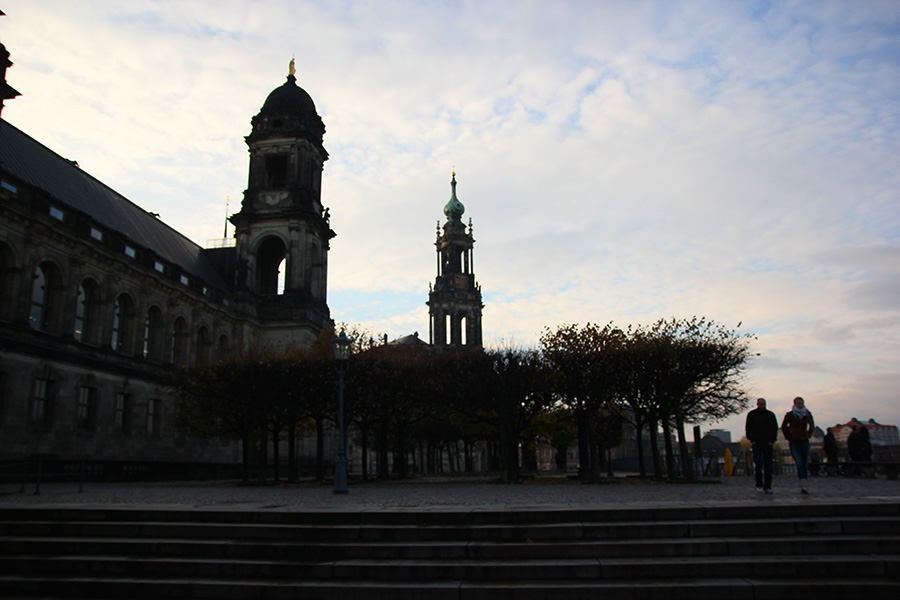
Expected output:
(879, 435)
(100, 300)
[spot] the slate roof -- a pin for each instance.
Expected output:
(29, 161)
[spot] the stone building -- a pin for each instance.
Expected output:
(99, 299)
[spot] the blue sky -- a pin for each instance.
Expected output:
(621, 161)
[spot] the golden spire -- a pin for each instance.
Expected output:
(291, 69)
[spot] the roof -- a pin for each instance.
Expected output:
(29, 161)
(408, 340)
(289, 98)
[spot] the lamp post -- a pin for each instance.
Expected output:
(342, 361)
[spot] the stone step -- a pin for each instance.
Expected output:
(545, 568)
(712, 546)
(773, 551)
(469, 517)
(715, 588)
(559, 531)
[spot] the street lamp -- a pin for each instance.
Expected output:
(342, 361)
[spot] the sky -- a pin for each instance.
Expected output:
(621, 161)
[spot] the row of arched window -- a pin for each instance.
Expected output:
(124, 327)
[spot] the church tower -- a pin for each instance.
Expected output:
(282, 229)
(455, 300)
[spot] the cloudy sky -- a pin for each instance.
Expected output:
(621, 161)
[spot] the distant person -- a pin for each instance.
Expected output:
(797, 427)
(865, 445)
(830, 445)
(853, 443)
(762, 431)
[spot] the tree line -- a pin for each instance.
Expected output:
(582, 385)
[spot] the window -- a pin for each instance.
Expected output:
(86, 307)
(180, 339)
(9, 187)
(130, 252)
(123, 325)
(87, 408)
(123, 413)
(153, 335)
(271, 264)
(204, 344)
(96, 234)
(159, 266)
(222, 348)
(184, 280)
(8, 282)
(41, 413)
(44, 298)
(276, 170)
(153, 417)
(57, 213)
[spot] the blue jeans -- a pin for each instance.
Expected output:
(763, 463)
(800, 452)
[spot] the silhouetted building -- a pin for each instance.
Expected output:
(454, 301)
(100, 300)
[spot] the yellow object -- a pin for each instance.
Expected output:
(729, 464)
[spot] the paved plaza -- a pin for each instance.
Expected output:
(447, 493)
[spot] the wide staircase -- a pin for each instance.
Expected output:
(762, 551)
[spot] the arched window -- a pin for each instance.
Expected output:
(44, 297)
(153, 335)
(271, 264)
(180, 338)
(204, 345)
(123, 326)
(222, 348)
(7, 283)
(87, 305)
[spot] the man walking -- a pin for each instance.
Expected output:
(762, 431)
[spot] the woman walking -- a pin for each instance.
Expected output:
(798, 427)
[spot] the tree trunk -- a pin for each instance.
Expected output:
(671, 471)
(364, 446)
(687, 465)
(276, 454)
(654, 446)
(292, 451)
(639, 426)
(584, 445)
(382, 451)
(245, 456)
(263, 453)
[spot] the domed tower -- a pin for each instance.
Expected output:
(282, 229)
(455, 300)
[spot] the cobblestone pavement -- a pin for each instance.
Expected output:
(447, 493)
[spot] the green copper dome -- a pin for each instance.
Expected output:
(454, 209)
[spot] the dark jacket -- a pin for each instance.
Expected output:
(762, 426)
(796, 429)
